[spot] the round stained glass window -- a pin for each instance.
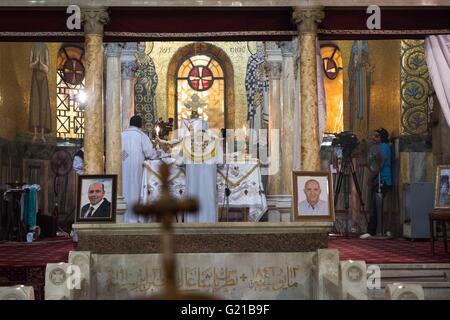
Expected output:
(200, 78)
(73, 71)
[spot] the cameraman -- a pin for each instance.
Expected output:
(380, 178)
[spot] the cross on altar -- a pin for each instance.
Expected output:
(165, 209)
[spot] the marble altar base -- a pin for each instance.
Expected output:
(204, 237)
(223, 275)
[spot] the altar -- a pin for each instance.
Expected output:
(242, 179)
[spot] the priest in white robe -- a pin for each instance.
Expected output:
(201, 153)
(201, 172)
(136, 148)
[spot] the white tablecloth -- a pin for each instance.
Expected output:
(244, 181)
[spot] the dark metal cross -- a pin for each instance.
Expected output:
(165, 209)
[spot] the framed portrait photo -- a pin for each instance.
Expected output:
(96, 198)
(313, 196)
(442, 188)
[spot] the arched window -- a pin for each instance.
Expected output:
(201, 74)
(70, 92)
(334, 87)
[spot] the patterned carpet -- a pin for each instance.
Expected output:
(24, 263)
(39, 253)
(389, 251)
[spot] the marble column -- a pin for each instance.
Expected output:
(287, 115)
(307, 19)
(273, 54)
(93, 20)
(129, 66)
(113, 113)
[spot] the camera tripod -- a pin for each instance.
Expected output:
(344, 173)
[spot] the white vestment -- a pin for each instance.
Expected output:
(136, 147)
(201, 179)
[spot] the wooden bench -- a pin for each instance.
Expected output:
(440, 215)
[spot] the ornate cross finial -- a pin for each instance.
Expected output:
(166, 209)
(195, 103)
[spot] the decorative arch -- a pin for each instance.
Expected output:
(218, 54)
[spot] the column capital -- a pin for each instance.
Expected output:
(287, 48)
(113, 50)
(129, 64)
(273, 69)
(128, 69)
(307, 18)
(94, 19)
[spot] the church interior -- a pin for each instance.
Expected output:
(314, 84)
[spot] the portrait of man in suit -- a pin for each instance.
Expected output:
(98, 205)
(312, 204)
(312, 196)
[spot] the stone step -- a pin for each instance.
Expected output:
(433, 277)
(424, 284)
(414, 266)
(418, 273)
(430, 294)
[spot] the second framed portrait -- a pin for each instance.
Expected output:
(97, 195)
(313, 196)
(442, 189)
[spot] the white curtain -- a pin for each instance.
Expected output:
(437, 52)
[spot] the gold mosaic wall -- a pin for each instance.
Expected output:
(385, 92)
(384, 57)
(15, 84)
(162, 53)
(346, 49)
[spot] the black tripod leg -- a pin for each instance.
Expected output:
(357, 186)
(358, 190)
(338, 187)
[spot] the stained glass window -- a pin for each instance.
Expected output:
(334, 87)
(203, 75)
(69, 92)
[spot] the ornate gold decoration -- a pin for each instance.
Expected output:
(149, 168)
(200, 146)
(238, 182)
(414, 88)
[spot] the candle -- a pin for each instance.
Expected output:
(157, 130)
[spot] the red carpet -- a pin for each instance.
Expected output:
(39, 253)
(24, 263)
(389, 251)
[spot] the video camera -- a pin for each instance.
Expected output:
(166, 127)
(347, 141)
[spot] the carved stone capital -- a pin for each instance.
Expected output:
(94, 19)
(129, 48)
(307, 18)
(128, 69)
(129, 64)
(113, 49)
(286, 48)
(273, 69)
